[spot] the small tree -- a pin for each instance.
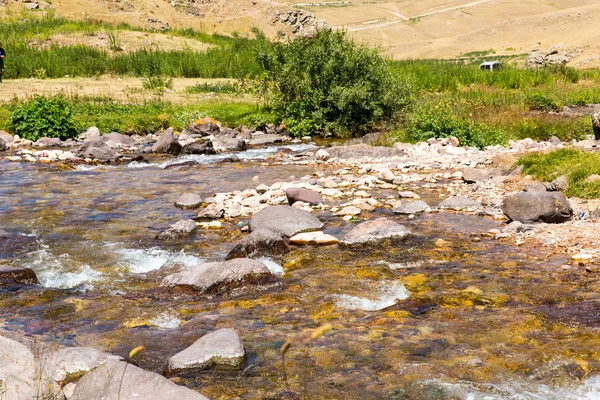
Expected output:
(330, 83)
(49, 117)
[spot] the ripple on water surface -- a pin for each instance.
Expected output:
(386, 294)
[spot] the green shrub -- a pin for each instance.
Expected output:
(330, 83)
(158, 83)
(49, 117)
(540, 102)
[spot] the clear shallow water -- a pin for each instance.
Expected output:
(410, 320)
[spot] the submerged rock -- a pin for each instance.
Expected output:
(260, 242)
(178, 230)
(115, 379)
(526, 207)
(285, 220)
(18, 371)
(375, 231)
(221, 348)
(17, 276)
(215, 276)
(304, 195)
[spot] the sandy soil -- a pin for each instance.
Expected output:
(122, 89)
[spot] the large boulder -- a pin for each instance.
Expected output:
(97, 149)
(527, 207)
(304, 195)
(222, 348)
(374, 231)
(217, 276)
(178, 230)
(118, 379)
(224, 143)
(167, 143)
(17, 276)
(258, 243)
(18, 371)
(285, 220)
(473, 175)
(199, 147)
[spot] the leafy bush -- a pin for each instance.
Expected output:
(50, 117)
(158, 83)
(540, 102)
(329, 83)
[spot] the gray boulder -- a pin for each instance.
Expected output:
(95, 148)
(7, 137)
(178, 230)
(117, 379)
(17, 276)
(374, 231)
(188, 200)
(285, 220)
(204, 128)
(459, 202)
(260, 242)
(216, 276)
(70, 364)
(199, 147)
(304, 195)
(527, 207)
(535, 187)
(212, 211)
(412, 207)
(224, 143)
(115, 140)
(17, 371)
(560, 184)
(266, 139)
(3, 145)
(221, 348)
(167, 143)
(472, 175)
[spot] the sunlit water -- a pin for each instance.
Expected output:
(473, 320)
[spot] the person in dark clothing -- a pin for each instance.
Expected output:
(2, 55)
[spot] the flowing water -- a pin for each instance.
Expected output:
(411, 320)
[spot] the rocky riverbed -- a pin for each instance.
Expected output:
(384, 272)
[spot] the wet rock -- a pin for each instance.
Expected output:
(199, 147)
(317, 238)
(18, 371)
(12, 244)
(304, 195)
(178, 230)
(459, 202)
(167, 143)
(560, 184)
(17, 276)
(224, 143)
(188, 200)
(221, 348)
(412, 207)
(184, 164)
(95, 148)
(535, 187)
(266, 139)
(115, 379)
(212, 211)
(527, 207)
(322, 155)
(375, 231)
(285, 220)
(473, 175)
(260, 242)
(70, 364)
(217, 276)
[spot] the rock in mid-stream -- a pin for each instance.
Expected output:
(374, 231)
(178, 230)
(304, 195)
(218, 276)
(285, 220)
(411, 207)
(17, 371)
(118, 379)
(188, 200)
(17, 276)
(261, 242)
(526, 207)
(221, 348)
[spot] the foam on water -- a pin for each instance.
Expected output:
(166, 321)
(589, 389)
(274, 268)
(145, 260)
(386, 295)
(61, 271)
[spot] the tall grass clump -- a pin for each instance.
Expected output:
(328, 83)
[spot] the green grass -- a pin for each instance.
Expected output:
(577, 165)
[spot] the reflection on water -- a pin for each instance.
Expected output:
(411, 320)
